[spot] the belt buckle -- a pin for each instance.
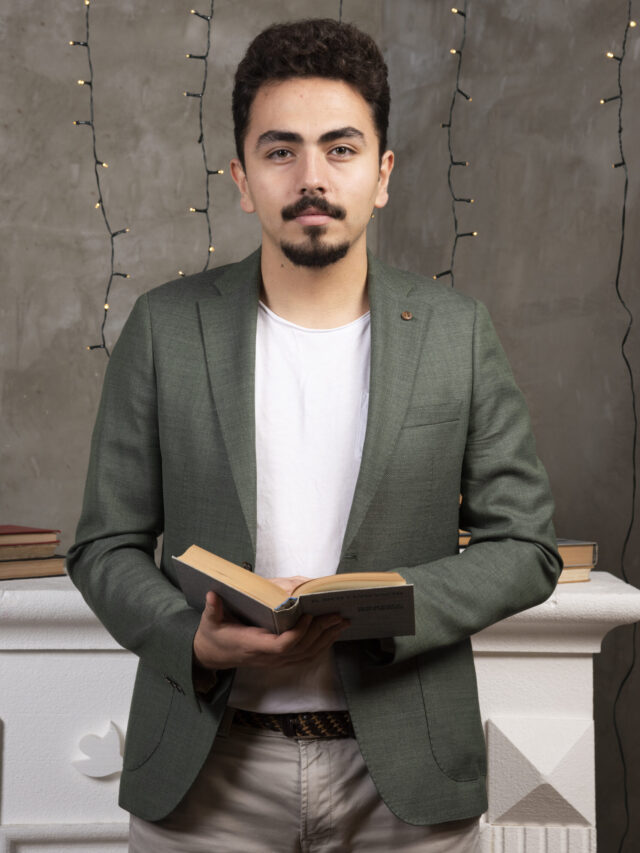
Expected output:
(289, 725)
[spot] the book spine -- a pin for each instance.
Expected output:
(284, 619)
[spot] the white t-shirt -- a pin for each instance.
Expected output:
(312, 396)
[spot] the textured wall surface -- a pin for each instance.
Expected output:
(55, 247)
(548, 214)
(547, 209)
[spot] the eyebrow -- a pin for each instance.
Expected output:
(271, 136)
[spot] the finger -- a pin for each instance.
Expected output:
(278, 644)
(318, 627)
(322, 644)
(289, 584)
(258, 641)
(214, 608)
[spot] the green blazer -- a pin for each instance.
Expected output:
(173, 453)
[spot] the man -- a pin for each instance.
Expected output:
(304, 411)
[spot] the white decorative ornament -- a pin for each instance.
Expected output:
(541, 771)
(104, 754)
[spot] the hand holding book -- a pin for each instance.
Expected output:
(222, 642)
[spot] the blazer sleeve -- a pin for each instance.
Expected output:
(112, 560)
(512, 562)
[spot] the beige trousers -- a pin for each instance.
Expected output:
(260, 792)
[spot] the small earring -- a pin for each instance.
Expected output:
(373, 216)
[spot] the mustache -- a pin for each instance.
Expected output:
(317, 203)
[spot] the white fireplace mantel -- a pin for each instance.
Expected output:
(65, 696)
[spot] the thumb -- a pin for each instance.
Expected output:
(213, 609)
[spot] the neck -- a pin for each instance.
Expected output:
(317, 298)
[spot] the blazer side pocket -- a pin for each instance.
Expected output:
(450, 695)
(150, 710)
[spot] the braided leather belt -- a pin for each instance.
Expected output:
(307, 725)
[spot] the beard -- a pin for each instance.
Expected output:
(313, 252)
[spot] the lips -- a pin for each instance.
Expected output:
(313, 216)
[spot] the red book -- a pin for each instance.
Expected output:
(14, 534)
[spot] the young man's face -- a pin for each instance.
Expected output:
(312, 172)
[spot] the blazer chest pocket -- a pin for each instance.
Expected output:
(432, 413)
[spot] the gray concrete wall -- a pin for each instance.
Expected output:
(548, 214)
(547, 211)
(55, 247)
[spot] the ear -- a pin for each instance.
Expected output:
(386, 167)
(240, 178)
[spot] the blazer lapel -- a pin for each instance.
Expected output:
(399, 318)
(228, 321)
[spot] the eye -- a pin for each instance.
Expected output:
(280, 154)
(342, 151)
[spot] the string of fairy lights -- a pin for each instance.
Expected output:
(98, 166)
(621, 163)
(454, 162)
(199, 95)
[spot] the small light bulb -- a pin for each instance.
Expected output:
(180, 273)
(97, 205)
(81, 82)
(106, 306)
(474, 233)
(602, 100)
(192, 210)
(609, 54)
(104, 165)
(454, 10)
(453, 50)
(188, 55)
(86, 2)
(211, 249)
(632, 24)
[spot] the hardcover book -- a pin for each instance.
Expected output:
(377, 604)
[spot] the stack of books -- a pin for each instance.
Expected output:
(29, 552)
(578, 557)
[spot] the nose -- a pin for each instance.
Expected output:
(312, 177)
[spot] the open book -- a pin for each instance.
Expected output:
(378, 604)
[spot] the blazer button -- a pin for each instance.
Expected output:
(247, 566)
(407, 315)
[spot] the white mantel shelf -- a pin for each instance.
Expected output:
(574, 620)
(61, 742)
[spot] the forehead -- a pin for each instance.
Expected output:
(309, 106)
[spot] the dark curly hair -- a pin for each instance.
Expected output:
(317, 47)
